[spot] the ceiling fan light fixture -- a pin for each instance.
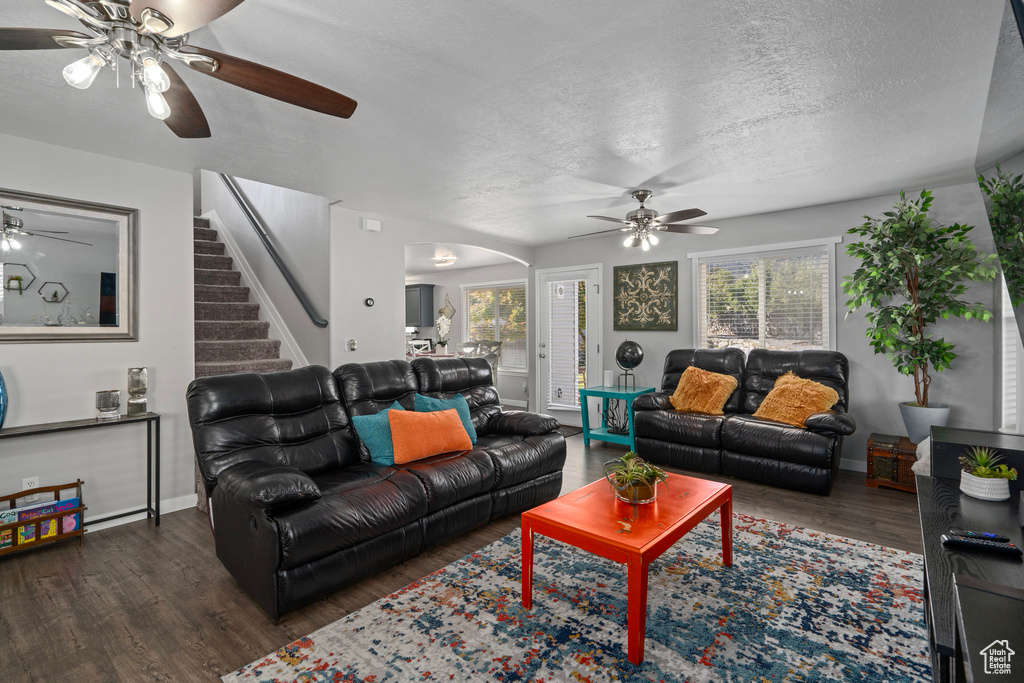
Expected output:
(155, 22)
(153, 75)
(653, 239)
(157, 105)
(15, 244)
(645, 245)
(82, 73)
(445, 261)
(630, 241)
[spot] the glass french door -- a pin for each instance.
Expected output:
(569, 339)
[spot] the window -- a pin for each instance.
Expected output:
(1011, 358)
(497, 313)
(779, 299)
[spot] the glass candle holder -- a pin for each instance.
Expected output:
(138, 384)
(108, 403)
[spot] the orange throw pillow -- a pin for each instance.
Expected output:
(421, 435)
(793, 399)
(700, 391)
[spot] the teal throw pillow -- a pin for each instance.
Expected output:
(375, 432)
(426, 404)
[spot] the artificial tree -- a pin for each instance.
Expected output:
(913, 271)
(1006, 216)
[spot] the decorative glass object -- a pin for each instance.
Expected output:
(138, 383)
(108, 403)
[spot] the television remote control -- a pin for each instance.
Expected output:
(961, 543)
(983, 535)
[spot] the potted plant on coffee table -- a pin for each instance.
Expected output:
(914, 271)
(982, 478)
(634, 479)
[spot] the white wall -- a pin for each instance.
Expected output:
(446, 281)
(51, 382)
(298, 226)
(367, 264)
(875, 387)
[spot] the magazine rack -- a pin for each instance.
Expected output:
(9, 503)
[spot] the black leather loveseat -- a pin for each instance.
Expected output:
(299, 510)
(737, 443)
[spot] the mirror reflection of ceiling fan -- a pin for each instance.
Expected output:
(14, 227)
(643, 224)
(145, 35)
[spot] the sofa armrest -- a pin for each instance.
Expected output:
(831, 422)
(652, 401)
(259, 484)
(522, 423)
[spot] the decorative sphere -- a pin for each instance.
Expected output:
(629, 355)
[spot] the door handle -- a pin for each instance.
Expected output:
(543, 356)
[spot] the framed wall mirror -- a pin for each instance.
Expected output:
(68, 270)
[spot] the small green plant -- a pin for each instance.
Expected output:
(980, 461)
(631, 470)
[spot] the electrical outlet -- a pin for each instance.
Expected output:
(30, 483)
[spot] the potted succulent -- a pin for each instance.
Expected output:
(913, 271)
(633, 479)
(982, 478)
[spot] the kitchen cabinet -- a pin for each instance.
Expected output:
(419, 306)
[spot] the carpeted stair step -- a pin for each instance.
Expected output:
(229, 311)
(224, 368)
(208, 247)
(240, 350)
(208, 262)
(198, 222)
(221, 294)
(217, 277)
(207, 234)
(224, 330)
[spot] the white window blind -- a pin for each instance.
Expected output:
(497, 313)
(768, 300)
(567, 344)
(1011, 359)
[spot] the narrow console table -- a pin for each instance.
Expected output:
(606, 393)
(152, 421)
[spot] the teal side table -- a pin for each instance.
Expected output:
(606, 393)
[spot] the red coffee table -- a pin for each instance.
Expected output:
(593, 519)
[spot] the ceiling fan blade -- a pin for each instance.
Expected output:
(613, 220)
(676, 216)
(59, 239)
(187, 119)
(185, 15)
(691, 229)
(35, 38)
(601, 232)
(273, 83)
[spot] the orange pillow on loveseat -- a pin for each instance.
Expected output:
(421, 435)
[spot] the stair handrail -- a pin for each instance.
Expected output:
(261, 231)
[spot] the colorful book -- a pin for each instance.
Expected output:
(7, 536)
(26, 534)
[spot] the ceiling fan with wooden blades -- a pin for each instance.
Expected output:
(147, 35)
(643, 224)
(14, 227)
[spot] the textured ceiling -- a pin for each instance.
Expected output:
(517, 119)
(1002, 134)
(420, 258)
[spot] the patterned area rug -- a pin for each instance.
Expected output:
(797, 605)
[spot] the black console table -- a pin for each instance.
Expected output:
(152, 421)
(942, 507)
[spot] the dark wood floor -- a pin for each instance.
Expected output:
(140, 603)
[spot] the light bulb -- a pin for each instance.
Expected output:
(645, 245)
(14, 243)
(158, 107)
(154, 77)
(653, 239)
(628, 241)
(82, 73)
(4, 245)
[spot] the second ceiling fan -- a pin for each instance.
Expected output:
(643, 224)
(147, 35)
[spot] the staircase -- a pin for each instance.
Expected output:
(229, 335)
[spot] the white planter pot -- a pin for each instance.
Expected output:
(919, 421)
(984, 488)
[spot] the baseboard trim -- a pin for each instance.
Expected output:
(166, 506)
(278, 329)
(853, 465)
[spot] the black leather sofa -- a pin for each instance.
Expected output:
(737, 443)
(299, 510)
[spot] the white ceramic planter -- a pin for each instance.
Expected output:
(984, 488)
(919, 421)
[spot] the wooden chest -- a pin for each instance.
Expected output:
(890, 459)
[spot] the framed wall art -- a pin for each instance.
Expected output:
(647, 297)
